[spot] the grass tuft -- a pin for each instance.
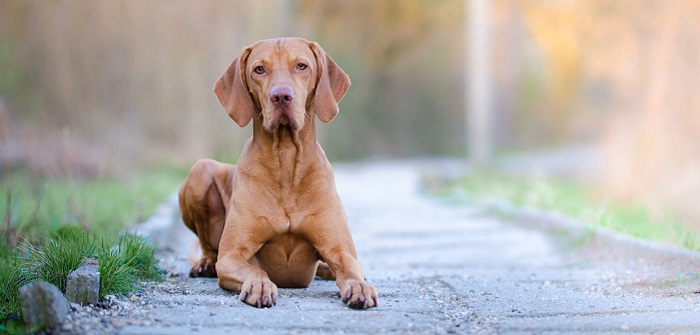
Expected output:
(10, 282)
(51, 260)
(51, 225)
(122, 263)
(131, 259)
(116, 276)
(139, 254)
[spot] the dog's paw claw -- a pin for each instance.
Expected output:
(359, 295)
(259, 293)
(205, 267)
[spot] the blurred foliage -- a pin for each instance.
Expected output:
(33, 206)
(582, 202)
(405, 60)
(9, 81)
(622, 75)
(124, 83)
(97, 88)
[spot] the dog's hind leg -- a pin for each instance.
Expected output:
(204, 198)
(324, 271)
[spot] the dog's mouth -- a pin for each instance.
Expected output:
(282, 118)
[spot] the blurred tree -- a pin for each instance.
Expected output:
(404, 57)
(132, 79)
(127, 83)
(479, 100)
(553, 26)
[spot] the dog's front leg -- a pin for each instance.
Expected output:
(331, 237)
(354, 291)
(237, 249)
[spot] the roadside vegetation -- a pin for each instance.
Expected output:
(582, 202)
(50, 226)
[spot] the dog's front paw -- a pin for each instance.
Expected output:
(204, 267)
(359, 295)
(259, 292)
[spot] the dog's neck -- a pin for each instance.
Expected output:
(286, 150)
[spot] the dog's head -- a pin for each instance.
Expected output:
(282, 80)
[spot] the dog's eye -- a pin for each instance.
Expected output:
(302, 66)
(259, 69)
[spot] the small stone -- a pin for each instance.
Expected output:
(83, 284)
(43, 304)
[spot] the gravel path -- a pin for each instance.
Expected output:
(439, 268)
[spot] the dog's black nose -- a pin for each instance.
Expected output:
(281, 96)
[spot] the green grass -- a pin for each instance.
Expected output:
(50, 226)
(122, 263)
(107, 205)
(10, 281)
(578, 201)
(114, 267)
(52, 259)
(131, 258)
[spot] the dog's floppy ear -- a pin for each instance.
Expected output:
(232, 90)
(331, 85)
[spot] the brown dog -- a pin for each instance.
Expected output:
(275, 218)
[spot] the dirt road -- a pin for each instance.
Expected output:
(440, 268)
